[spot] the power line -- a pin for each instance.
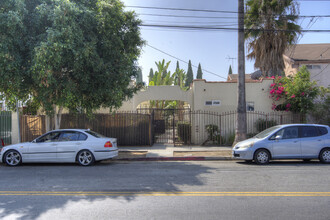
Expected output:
(215, 11)
(185, 61)
(224, 28)
(186, 16)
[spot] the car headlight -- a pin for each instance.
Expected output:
(247, 146)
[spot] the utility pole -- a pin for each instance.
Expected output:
(240, 132)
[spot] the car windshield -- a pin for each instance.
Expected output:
(93, 133)
(266, 132)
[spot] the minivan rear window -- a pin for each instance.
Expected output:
(322, 130)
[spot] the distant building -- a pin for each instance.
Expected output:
(316, 57)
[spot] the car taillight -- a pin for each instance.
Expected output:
(108, 144)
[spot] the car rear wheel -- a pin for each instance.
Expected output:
(12, 158)
(325, 155)
(261, 157)
(85, 158)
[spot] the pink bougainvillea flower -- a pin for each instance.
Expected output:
(277, 98)
(288, 105)
(293, 96)
(280, 84)
(272, 91)
(272, 85)
(302, 93)
(286, 93)
(280, 77)
(273, 77)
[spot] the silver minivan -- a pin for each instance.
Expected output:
(290, 141)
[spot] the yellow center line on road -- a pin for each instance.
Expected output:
(219, 194)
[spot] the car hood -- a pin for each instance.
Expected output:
(246, 142)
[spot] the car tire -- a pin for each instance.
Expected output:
(325, 155)
(12, 158)
(85, 158)
(261, 157)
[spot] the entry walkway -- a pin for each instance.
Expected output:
(168, 151)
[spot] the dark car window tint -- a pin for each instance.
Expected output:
(309, 131)
(82, 137)
(69, 136)
(290, 132)
(322, 130)
(50, 137)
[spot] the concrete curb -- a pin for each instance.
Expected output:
(175, 159)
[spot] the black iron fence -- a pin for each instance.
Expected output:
(176, 126)
(5, 128)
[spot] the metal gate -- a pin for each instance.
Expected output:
(5, 127)
(171, 126)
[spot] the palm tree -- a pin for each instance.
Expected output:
(270, 27)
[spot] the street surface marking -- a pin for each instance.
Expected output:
(114, 194)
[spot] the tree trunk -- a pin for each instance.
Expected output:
(48, 123)
(58, 117)
(240, 132)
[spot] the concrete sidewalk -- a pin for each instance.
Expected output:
(169, 152)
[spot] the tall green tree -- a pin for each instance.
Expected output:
(151, 74)
(190, 75)
(270, 28)
(230, 71)
(69, 54)
(139, 77)
(199, 72)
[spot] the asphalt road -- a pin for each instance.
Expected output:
(166, 190)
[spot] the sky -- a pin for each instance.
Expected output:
(215, 50)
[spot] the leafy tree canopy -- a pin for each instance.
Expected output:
(74, 54)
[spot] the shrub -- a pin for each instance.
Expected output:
(184, 131)
(262, 124)
(212, 132)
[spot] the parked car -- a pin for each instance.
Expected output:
(291, 141)
(65, 145)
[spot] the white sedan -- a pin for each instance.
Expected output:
(62, 146)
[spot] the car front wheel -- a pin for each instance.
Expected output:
(85, 158)
(12, 158)
(325, 155)
(261, 157)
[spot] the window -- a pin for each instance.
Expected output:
(309, 131)
(311, 67)
(250, 106)
(50, 137)
(288, 133)
(213, 103)
(208, 102)
(322, 130)
(97, 135)
(216, 102)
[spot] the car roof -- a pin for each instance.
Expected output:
(73, 129)
(287, 125)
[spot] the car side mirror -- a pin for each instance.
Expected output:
(278, 137)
